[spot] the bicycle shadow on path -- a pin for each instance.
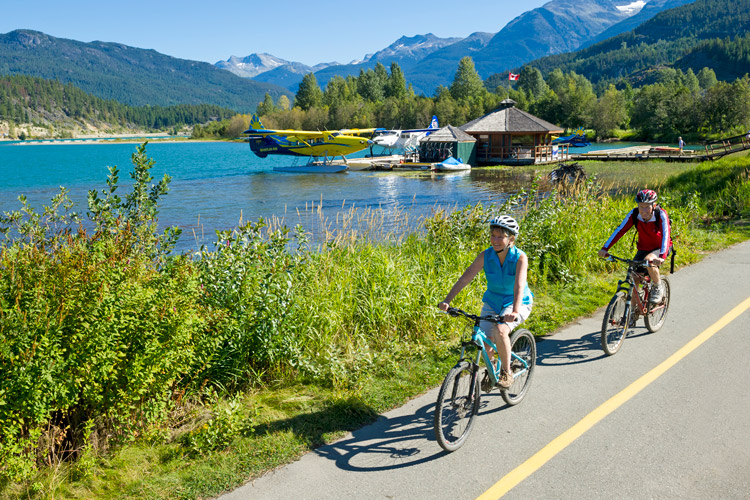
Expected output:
(395, 442)
(559, 351)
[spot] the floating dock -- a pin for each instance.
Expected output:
(712, 150)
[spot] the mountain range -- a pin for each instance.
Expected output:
(641, 36)
(559, 26)
(129, 75)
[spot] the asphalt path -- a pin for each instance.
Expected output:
(668, 416)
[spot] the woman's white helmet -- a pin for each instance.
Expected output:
(506, 222)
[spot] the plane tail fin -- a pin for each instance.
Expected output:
(255, 123)
(434, 122)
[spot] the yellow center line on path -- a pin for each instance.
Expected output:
(510, 480)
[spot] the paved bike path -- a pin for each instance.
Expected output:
(685, 435)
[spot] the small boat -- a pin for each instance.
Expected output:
(451, 164)
(312, 169)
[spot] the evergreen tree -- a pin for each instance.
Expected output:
(466, 83)
(309, 94)
(531, 81)
(707, 78)
(266, 107)
(396, 86)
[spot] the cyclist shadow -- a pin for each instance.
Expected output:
(387, 444)
(551, 351)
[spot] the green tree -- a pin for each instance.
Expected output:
(371, 84)
(531, 81)
(707, 78)
(726, 106)
(309, 94)
(266, 107)
(283, 102)
(466, 83)
(337, 92)
(396, 85)
(576, 98)
(610, 112)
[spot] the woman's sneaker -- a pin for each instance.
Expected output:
(506, 379)
(656, 294)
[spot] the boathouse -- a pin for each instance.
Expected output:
(510, 136)
(448, 141)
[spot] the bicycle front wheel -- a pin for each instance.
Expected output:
(457, 405)
(523, 345)
(657, 313)
(614, 324)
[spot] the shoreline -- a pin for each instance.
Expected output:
(106, 140)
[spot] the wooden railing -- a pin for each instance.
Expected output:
(721, 147)
(535, 154)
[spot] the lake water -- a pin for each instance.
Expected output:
(216, 183)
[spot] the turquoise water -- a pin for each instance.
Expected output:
(216, 183)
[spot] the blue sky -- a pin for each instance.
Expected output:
(309, 32)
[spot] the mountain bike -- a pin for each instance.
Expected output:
(619, 316)
(458, 399)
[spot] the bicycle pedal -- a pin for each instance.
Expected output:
(486, 383)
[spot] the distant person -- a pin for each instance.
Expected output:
(654, 238)
(508, 293)
(680, 143)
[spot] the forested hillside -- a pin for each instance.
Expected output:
(697, 35)
(130, 75)
(26, 99)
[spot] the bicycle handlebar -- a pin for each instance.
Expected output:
(494, 318)
(630, 262)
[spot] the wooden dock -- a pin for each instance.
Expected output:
(712, 150)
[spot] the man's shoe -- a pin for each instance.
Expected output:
(506, 379)
(657, 293)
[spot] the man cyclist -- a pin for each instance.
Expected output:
(654, 237)
(505, 267)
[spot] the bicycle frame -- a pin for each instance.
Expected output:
(478, 340)
(634, 279)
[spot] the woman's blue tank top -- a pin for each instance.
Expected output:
(502, 278)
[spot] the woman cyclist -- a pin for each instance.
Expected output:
(505, 267)
(654, 237)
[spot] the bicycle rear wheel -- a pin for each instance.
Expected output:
(657, 313)
(522, 343)
(614, 324)
(457, 405)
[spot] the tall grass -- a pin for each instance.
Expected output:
(108, 338)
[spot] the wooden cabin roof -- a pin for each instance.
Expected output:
(449, 133)
(507, 118)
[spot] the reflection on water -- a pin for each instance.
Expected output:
(214, 185)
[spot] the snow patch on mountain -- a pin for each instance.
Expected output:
(631, 8)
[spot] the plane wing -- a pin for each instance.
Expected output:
(359, 131)
(291, 135)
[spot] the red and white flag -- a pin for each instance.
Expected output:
(512, 76)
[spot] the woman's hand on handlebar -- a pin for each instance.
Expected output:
(603, 253)
(510, 317)
(443, 306)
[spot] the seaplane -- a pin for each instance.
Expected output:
(320, 147)
(403, 140)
